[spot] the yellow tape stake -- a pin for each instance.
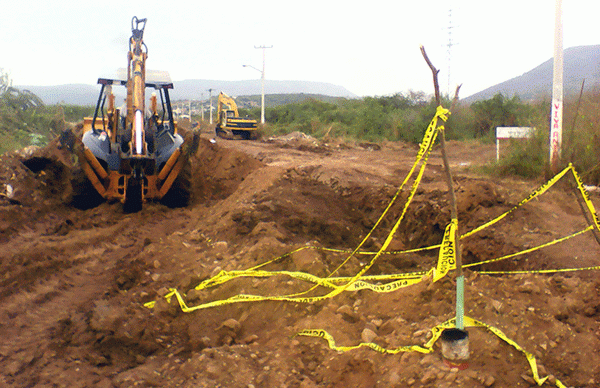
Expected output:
(428, 347)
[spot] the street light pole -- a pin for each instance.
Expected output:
(262, 99)
(262, 95)
(262, 83)
(202, 106)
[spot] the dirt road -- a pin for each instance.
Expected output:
(73, 283)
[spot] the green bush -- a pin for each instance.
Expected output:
(526, 158)
(581, 139)
(25, 120)
(499, 111)
(370, 118)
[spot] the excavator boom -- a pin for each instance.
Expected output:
(230, 123)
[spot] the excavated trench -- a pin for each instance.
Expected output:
(84, 275)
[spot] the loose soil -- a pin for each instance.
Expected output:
(73, 282)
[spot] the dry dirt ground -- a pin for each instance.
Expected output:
(73, 283)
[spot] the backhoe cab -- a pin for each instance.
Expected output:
(230, 124)
(134, 153)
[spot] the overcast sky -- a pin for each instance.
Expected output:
(369, 47)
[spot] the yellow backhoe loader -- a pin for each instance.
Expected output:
(230, 124)
(133, 153)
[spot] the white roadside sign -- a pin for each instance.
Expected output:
(511, 133)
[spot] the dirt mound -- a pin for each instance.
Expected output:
(217, 173)
(73, 283)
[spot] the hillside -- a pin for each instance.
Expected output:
(582, 62)
(71, 94)
(84, 94)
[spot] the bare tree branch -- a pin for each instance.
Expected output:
(435, 72)
(455, 99)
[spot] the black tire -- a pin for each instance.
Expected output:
(180, 193)
(244, 135)
(133, 196)
(83, 195)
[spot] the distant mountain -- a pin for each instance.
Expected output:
(83, 94)
(71, 94)
(579, 63)
(192, 89)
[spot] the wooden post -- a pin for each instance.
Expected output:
(453, 207)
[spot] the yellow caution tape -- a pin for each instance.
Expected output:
(224, 276)
(422, 156)
(530, 357)
(329, 338)
(536, 193)
(586, 197)
(440, 112)
(538, 271)
(447, 255)
(383, 288)
(446, 262)
(556, 241)
(428, 347)
(424, 150)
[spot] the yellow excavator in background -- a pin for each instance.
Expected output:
(230, 124)
(134, 153)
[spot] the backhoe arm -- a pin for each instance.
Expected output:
(136, 85)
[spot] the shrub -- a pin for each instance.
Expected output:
(25, 120)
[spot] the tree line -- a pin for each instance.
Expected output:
(25, 120)
(405, 117)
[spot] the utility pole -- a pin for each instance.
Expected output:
(262, 78)
(557, 91)
(210, 102)
(449, 47)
